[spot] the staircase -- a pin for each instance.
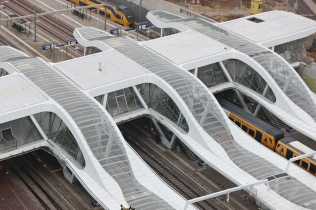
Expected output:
(161, 105)
(66, 141)
(190, 154)
(273, 120)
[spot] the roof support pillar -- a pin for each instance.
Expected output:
(225, 72)
(163, 138)
(105, 98)
(241, 99)
(38, 127)
(140, 97)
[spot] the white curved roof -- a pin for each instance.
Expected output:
(109, 160)
(278, 27)
(207, 122)
(292, 94)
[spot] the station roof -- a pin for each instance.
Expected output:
(100, 69)
(16, 92)
(185, 47)
(271, 25)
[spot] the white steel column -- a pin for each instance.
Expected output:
(173, 139)
(105, 98)
(226, 72)
(38, 127)
(163, 138)
(140, 97)
(242, 101)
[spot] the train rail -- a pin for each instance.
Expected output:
(177, 181)
(33, 183)
(4, 41)
(49, 24)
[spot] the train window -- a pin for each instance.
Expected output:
(270, 140)
(278, 146)
(312, 168)
(265, 139)
(298, 162)
(231, 119)
(237, 123)
(251, 132)
(304, 165)
(244, 128)
(289, 154)
(258, 136)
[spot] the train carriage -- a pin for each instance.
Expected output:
(115, 12)
(288, 147)
(269, 136)
(256, 128)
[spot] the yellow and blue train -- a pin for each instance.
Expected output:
(269, 136)
(115, 12)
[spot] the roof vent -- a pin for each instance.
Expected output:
(256, 20)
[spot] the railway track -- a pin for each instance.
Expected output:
(4, 41)
(49, 24)
(33, 183)
(174, 179)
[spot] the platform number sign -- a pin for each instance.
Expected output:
(114, 31)
(47, 46)
(142, 26)
(72, 42)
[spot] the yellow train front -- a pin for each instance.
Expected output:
(116, 13)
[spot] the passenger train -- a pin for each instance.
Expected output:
(269, 136)
(116, 13)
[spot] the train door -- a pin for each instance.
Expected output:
(289, 154)
(258, 136)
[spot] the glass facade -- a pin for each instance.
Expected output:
(92, 50)
(169, 31)
(99, 98)
(292, 51)
(122, 101)
(18, 132)
(56, 130)
(248, 77)
(211, 75)
(192, 71)
(3, 72)
(161, 102)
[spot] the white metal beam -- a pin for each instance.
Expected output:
(140, 98)
(105, 98)
(226, 72)
(225, 192)
(38, 127)
(298, 158)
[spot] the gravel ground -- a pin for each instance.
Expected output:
(15, 195)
